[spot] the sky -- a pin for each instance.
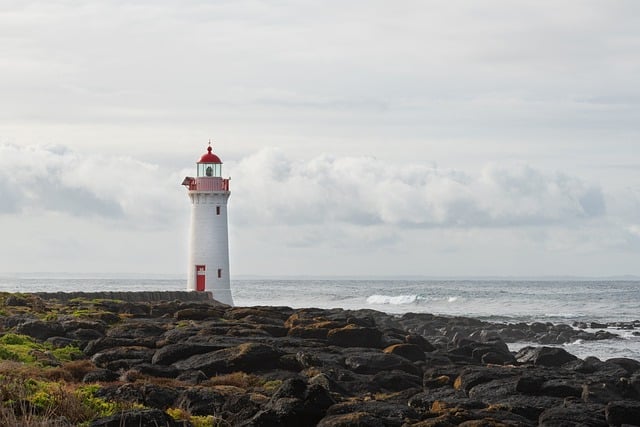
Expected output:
(362, 138)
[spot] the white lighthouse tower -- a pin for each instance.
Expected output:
(208, 235)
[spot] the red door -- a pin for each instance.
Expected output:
(200, 278)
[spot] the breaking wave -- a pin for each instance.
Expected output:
(395, 300)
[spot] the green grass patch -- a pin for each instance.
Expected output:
(23, 348)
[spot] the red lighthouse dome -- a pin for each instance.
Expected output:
(209, 157)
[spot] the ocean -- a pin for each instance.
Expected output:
(507, 301)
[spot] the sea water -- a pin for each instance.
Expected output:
(507, 301)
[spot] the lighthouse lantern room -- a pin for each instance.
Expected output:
(208, 268)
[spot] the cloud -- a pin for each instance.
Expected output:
(56, 179)
(273, 189)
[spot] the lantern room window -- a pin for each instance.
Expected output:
(209, 169)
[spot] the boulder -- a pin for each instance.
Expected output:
(475, 375)
(544, 356)
(105, 343)
(397, 380)
(354, 336)
(294, 404)
(122, 353)
(561, 388)
(248, 357)
(572, 416)
(623, 412)
(136, 329)
(420, 341)
(171, 353)
(409, 351)
(372, 363)
(40, 330)
(307, 332)
(202, 401)
(628, 365)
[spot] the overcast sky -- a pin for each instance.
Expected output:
(450, 138)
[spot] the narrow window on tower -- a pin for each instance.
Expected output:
(219, 273)
(217, 210)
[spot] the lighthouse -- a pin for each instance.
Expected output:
(208, 268)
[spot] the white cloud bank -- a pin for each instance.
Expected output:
(275, 189)
(272, 189)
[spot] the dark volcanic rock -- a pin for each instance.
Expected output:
(628, 365)
(106, 343)
(171, 353)
(623, 412)
(408, 351)
(396, 380)
(354, 336)
(102, 358)
(313, 366)
(138, 418)
(40, 329)
(294, 404)
(372, 363)
(385, 413)
(100, 375)
(573, 416)
(544, 356)
(248, 357)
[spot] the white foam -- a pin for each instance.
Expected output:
(452, 299)
(395, 300)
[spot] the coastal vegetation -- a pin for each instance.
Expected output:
(108, 362)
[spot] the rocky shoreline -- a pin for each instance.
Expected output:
(278, 366)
